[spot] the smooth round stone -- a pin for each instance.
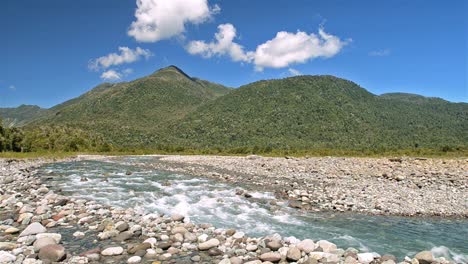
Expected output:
(424, 257)
(179, 230)
(208, 244)
(238, 235)
(225, 261)
(112, 251)
(365, 258)
(11, 230)
(196, 258)
(6, 257)
(294, 254)
(274, 244)
(78, 234)
(54, 236)
(54, 253)
(7, 246)
(134, 260)
(42, 242)
(271, 256)
(306, 245)
(326, 246)
(251, 247)
(177, 217)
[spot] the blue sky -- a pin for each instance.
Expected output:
(54, 50)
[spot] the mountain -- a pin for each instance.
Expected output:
(315, 112)
(132, 113)
(21, 115)
(171, 110)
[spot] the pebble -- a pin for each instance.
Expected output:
(112, 251)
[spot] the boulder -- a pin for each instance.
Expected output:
(33, 229)
(208, 244)
(42, 242)
(134, 260)
(54, 253)
(112, 251)
(306, 245)
(271, 256)
(294, 254)
(326, 246)
(424, 257)
(6, 257)
(365, 258)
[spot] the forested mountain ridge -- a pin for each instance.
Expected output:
(171, 110)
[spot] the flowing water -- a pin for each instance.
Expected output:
(207, 201)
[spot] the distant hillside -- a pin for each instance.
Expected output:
(21, 115)
(132, 113)
(313, 112)
(171, 110)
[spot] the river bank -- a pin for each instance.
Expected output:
(379, 186)
(38, 223)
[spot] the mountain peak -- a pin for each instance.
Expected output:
(171, 70)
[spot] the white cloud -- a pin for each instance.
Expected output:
(126, 55)
(380, 53)
(163, 19)
(294, 72)
(280, 52)
(222, 45)
(291, 48)
(12, 87)
(111, 75)
(115, 75)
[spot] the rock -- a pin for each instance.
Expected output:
(365, 258)
(54, 253)
(251, 247)
(42, 242)
(214, 251)
(6, 257)
(7, 246)
(112, 251)
(208, 244)
(389, 261)
(294, 254)
(196, 258)
(78, 234)
(202, 238)
(33, 229)
(165, 257)
(225, 261)
(306, 245)
(11, 230)
(55, 236)
(177, 217)
(274, 245)
(350, 260)
(179, 230)
(123, 236)
(295, 204)
(122, 227)
(271, 256)
(424, 257)
(134, 260)
(236, 260)
(326, 246)
(142, 246)
(238, 235)
(164, 245)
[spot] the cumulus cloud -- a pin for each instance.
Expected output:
(115, 75)
(284, 50)
(223, 44)
(163, 19)
(380, 53)
(111, 75)
(294, 72)
(291, 48)
(126, 55)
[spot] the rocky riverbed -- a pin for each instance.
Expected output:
(381, 186)
(38, 225)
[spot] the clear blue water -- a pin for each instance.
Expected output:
(207, 201)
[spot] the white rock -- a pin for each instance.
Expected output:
(208, 244)
(54, 236)
(112, 251)
(33, 229)
(134, 260)
(202, 238)
(6, 257)
(151, 240)
(238, 235)
(306, 245)
(326, 246)
(78, 234)
(225, 261)
(365, 258)
(251, 247)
